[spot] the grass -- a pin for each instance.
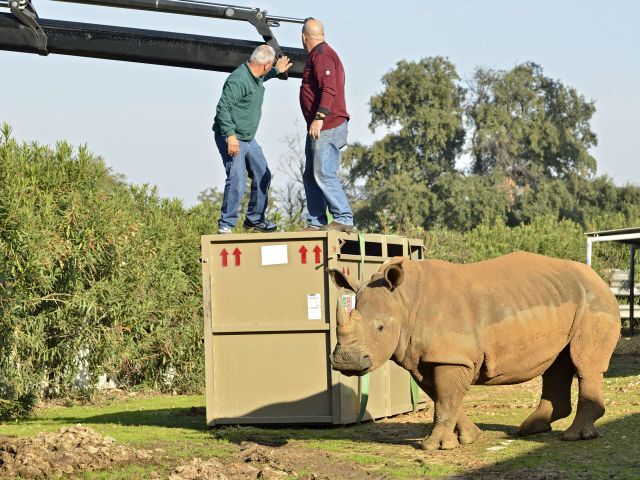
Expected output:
(387, 448)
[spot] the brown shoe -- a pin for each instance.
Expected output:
(338, 227)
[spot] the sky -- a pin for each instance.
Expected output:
(153, 123)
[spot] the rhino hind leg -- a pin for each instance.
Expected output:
(555, 402)
(590, 408)
(591, 350)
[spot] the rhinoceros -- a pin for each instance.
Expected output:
(496, 322)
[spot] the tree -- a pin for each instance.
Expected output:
(421, 107)
(527, 126)
(291, 199)
(466, 201)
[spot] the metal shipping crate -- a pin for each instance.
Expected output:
(269, 313)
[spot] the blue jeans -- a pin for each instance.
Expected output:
(321, 183)
(249, 159)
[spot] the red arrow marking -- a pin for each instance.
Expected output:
(224, 254)
(303, 254)
(237, 253)
(317, 251)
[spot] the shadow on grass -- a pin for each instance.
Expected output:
(614, 454)
(408, 433)
(188, 418)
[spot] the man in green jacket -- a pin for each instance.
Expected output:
(235, 125)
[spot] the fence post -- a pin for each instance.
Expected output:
(632, 264)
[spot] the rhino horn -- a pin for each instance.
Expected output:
(345, 325)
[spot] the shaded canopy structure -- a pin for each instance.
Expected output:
(628, 236)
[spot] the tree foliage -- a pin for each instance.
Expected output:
(528, 137)
(421, 107)
(525, 125)
(424, 101)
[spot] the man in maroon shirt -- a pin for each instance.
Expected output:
(325, 111)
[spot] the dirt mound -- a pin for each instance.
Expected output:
(69, 450)
(200, 469)
(628, 346)
(253, 461)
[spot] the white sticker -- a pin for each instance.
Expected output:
(349, 302)
(328, 72)
(274, 255)
(314, 307)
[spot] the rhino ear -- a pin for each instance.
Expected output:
(342, 280)
(393, 275)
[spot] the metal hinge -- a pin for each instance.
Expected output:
(24, 11)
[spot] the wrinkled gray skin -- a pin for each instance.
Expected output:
(498, 322)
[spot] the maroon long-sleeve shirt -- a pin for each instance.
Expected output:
(322, 88)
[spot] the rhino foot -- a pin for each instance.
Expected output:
(440, 440)
(529, 427)
(468, 433)
(579, 433)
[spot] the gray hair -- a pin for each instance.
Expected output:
(263, 54)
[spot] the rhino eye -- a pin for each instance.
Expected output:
(380, 328)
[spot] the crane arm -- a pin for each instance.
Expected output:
(22, 30)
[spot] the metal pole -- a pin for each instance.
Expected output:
(187, 7)
(632, 263)
(589, 248)
(169, 6)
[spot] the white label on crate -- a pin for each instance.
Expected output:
(349, 302)
(314, 306)
(274, 254)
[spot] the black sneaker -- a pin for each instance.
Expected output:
(263, 227)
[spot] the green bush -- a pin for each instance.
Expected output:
(545, 235)
(96, 277)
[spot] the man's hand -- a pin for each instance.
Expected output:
(283, 64)
(233, 145)
(314, 129)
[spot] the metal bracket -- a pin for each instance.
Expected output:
(24, 11)
(262, 23)
(259, 20)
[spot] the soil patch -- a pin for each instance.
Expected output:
(261, 462)
(68, 451)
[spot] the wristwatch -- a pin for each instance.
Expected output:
(319, 116)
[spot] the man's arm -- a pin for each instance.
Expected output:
(324, 69)
(325, 74)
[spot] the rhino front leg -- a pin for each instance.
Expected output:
(468, 432)
(450, 384)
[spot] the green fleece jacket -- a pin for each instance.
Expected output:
(240, 106)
